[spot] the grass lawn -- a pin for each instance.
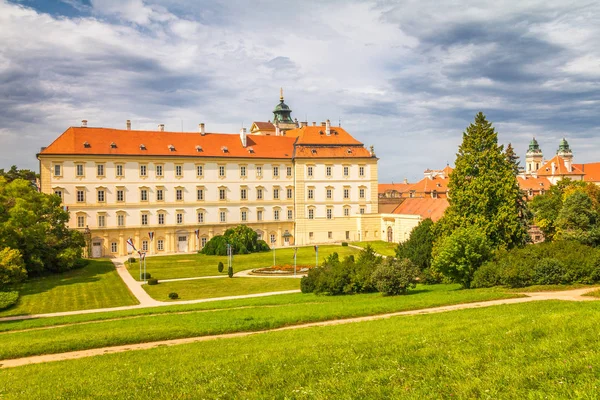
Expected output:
(220, 287)
(25, 338)
(595, 293)
(191, 265)
(97, 285)
(380, 247)
(531, 350)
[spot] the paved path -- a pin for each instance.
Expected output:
(569, 295)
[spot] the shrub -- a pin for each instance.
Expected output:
(131, 260)
(146, 275)
(12, 267)
(8, 299)
(221, 266)
(243, 240)
(230, 272)
(153, 281)
(173, 296)
(549, 271)
(395, 277)
(80, 263)
(419, 245)
(344, 244)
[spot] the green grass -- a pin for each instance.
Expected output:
(299, 308)
(595, 293)
(220, 287)
(380, 247)
(548, 288)
(523, 351)
(191, 265)
(97, 285)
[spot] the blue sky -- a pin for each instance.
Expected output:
(404, 76)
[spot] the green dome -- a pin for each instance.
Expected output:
(564, 146)
(282, 113)
(534, 147)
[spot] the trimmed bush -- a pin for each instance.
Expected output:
(131, 260)
(395, 277)
(344, 244)
(173, 296)
(230, 272)
(242, 239)
(146, 275)
(153, 281)
(221, 266)
(8, 299)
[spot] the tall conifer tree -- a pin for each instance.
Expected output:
(483, 188)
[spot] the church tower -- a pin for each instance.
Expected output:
(534, 157)
(282, 118)
(565, 152)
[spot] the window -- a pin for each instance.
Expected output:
(275, 171)
(101, 195)
(120, 195)
(160, 194)
(290, 193)
(57, 170)
(362, 210)
(113, 247)
(329, 213)
(80, 221)
(259, 194)
(244, 194)
(179, 194)
(144, 219)
(346, 171)
(311, 213)
(221, 170)
(180, 218)
(310, 235)
(311, 193)
(199, 194)
(144, 245)
(199, 170)
(160, 244)
(101, 221)
(143, 170)
(244, 215)
(276, 215)
(79, 169)
(80, 196)
(179, 170)
(100, 169)
(346, 211)
(121, 220)
(222, 216)
(347, 235)
(290, 214)
(161, 218)
(58, 192)
(258, 171)
(361, 193)
(144, 194)
(361, 171)
(200, 217)
(329, 235)
(275, 194)
(328, 171)
(203, 241)
(289, 171)
(346, 193)
(259, 215)
(309, 171)
(329, 193)
(273, 238)
(222, 194)
(243, 171)
(119, 170)
(159, 170)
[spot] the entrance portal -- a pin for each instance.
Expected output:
(390, 234)
(182, 244)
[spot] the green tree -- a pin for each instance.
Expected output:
(12, 268)
(577, 218)
(419, 245)
(395, 277)
(242, 239)
(15, 173)
(459, 255)
(483, 188)
(35, 224)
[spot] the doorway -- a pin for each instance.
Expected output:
(390, 234)
(182, 244)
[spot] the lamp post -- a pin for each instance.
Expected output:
(87, 235)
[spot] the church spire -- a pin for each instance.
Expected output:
(281, 94)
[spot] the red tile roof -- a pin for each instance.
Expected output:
(591, 171)
(398, 187)
(535, 184)
(425, 207)
(561, 169)
(315, 135)
(331, 152)
(264, 126)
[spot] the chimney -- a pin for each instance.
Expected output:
(327, 128)
(161, 127)
(277, 131)
(201, 126)
(243, 137)
(84, 123)
(314, 123)
(553, 168)
(405, 181)
(323, 124)
(303, 124)
(128, 124)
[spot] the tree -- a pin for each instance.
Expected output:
(577, 219)
(242, 239)
(419, 245)
(395, 277)
(14, 173)
(12, 268)
(483, 188)
(459, 255)
(35, 224)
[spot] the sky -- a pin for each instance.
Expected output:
(407, 77)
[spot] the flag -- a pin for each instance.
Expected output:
(130, 242)
(316, 248)
(142, 255)
(66, 208)
(197, 232)
(151, 235)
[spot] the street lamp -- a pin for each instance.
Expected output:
(87, 235)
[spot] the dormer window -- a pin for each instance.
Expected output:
(224, 149)
(321, 133)
(198, 148)
(250, 150)
(142, 147)
(86, 145)
(313, 151)
(349, 151)
(171, 147)
(113, 145)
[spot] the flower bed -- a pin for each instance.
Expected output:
(282, 270)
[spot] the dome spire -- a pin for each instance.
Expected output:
(281, 94)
